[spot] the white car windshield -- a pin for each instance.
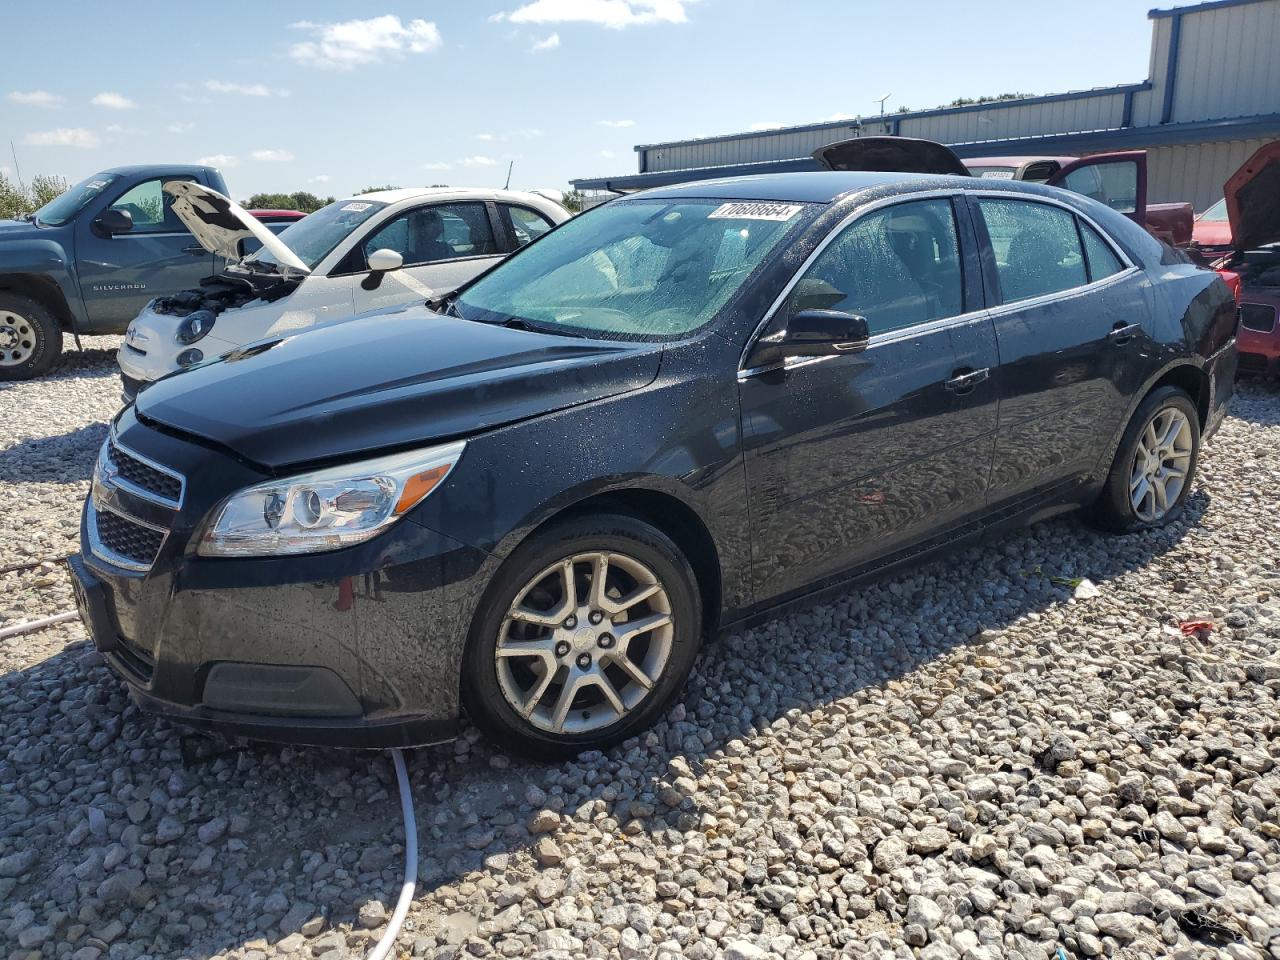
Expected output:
(634, 269)
(315, 235)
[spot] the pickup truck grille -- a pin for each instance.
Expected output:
(1260, 317)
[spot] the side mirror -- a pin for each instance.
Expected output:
(823, 333)
(113, 221)
(383, 260)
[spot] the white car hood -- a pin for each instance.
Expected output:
(220, 223)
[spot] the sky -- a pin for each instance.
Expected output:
(332, 97)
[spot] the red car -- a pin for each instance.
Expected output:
(1248, 244)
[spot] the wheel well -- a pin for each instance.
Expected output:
(42, 290)
(679, 522)
(1192, 380)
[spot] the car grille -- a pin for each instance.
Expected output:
(128, 538)
(125, 528)
(1260, 317)
(146, 477)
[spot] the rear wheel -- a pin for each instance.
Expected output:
(30, 338)
(586, 634)
(1152, 474)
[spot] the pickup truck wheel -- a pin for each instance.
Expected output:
(30, 338)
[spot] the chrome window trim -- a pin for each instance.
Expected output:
(930, 325)
(1070, 293)
(97, 548)
(124, 484)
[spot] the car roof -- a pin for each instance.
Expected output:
(1014, 161)
(821, 186)
(401, 194)
(178, 169)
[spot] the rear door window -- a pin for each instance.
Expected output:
(1036, 246)
(896, 267)
(1112, 183)
(525, 225)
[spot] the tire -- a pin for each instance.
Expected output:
(493, 688)
(1116, 509)
(30, 338)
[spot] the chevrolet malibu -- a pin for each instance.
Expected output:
(669, 417)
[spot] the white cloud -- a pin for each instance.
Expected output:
(219, 160)
(608, 154)
(112, 101)
(767, 125)
(351, 43)
(478, 161)
(186, 127)
(35, 98)
(273, 156)
(245, 89)
(437, 166)
(835, 117)
(617, 124)
(615, 14)
(550, 43)
(319, 178)
(62, 137)
(484, 136)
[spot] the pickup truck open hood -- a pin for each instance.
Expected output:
(891, 155)
(1253, 200)
(220, 223)
(387, 381)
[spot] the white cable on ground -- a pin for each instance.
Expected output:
(31, 626)
(410, 863)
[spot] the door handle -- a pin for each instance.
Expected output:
(195, 250)
(964, 380)
(1122, 333)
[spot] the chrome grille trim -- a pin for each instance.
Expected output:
(113, 477)
(99, 549)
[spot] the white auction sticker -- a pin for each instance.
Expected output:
(997, 174)
(755, 211)
(356, 207)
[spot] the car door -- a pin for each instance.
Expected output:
(522, 224)
(443, 245)
(119, 273)
(1071, 317)
(851, 458)
(1117, 180)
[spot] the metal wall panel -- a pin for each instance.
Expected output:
(1196, 172)
(1229, 62)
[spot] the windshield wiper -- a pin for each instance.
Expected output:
(520, 323)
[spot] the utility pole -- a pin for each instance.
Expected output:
(17, 170)
(510, 167)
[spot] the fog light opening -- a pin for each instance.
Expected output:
(188, 358)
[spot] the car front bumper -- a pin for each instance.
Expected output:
(151, 349)
(359, 647)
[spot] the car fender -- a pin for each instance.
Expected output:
(47, 262)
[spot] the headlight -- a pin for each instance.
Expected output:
(327, 509)
(195, 325)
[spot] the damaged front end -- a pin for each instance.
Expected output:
(199, 309)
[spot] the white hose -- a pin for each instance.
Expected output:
(410, 863)
(32, 625)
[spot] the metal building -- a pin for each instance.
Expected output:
(1211, 97)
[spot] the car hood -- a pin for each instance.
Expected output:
(891, 155)
(385, 381)
(220, 224)
(17, 229)
(1253, 199)
(1212, 234)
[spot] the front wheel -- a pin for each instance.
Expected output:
(30, 338)
(1151, 476)
(586, 634)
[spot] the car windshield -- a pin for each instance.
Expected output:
(312, 237)
(1215, 214)
(66, 205)
(634, 269)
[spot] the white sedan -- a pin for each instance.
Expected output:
(353, 257)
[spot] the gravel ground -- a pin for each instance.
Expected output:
(967, 762)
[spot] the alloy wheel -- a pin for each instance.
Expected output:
(1161, 464)
(584, 642)
(17, 339)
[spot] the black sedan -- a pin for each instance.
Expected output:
(670, 416)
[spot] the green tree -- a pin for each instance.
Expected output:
(389, 186)
(573, 201)
(17, 200)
